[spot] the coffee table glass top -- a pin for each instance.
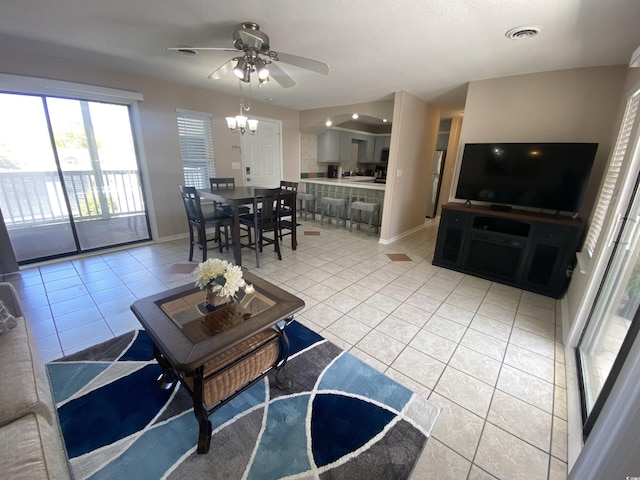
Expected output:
(199, 322)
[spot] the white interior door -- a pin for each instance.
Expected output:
(262, 155)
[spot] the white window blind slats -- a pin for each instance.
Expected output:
(196, 148)
(608, 190)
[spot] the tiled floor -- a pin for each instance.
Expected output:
(489, 355)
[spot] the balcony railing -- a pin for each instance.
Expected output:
(29, 198)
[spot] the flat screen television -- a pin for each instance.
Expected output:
(549, 176)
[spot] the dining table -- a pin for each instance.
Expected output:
(236, 198)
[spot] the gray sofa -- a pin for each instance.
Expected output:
(30, 442)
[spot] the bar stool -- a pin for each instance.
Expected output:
(359, 207)
(305, 199)
(339, 207)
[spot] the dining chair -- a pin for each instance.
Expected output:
(225, 183)
(264, 219)
(288, 200)
(199, 222)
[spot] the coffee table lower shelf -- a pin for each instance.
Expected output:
(228, 374)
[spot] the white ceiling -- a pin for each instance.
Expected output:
(429, 48)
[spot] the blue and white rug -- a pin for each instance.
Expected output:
(341, 419)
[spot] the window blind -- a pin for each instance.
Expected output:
(196, 148)
(608, 192)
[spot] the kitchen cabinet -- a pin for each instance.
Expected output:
(365, 149)
(527, 250)
(381, 141)
(334, 146)
(329, 146)
(345, 146)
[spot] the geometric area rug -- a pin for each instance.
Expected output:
(341, 419)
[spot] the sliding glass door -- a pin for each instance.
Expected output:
(70, 180)
(613, 322)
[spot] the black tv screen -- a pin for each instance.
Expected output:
(550, 176)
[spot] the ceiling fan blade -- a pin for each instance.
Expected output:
(303, 62)
(222, 70)
(206, 49)
(279, 76)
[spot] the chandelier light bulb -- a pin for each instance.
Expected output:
(253, 125)
(242, 121)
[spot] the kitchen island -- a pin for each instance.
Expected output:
(352, 189)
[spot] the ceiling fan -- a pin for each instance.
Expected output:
(257, 57)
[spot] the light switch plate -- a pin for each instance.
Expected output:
(235, 165)
(399, 172)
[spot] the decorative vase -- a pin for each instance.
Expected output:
(214, 301)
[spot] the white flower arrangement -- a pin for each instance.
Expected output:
(220, 277)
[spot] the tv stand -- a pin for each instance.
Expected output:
(500, 208)
(528, 250)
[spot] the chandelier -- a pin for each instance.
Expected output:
(241, 123)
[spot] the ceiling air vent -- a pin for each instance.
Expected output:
(526, 31)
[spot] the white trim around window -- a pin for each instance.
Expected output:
(58, 88)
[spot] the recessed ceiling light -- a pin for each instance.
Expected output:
(270, 99)
(354, 116)
(384, 120)
(328, 123)
(524, 31)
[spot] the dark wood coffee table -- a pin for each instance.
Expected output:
(219, 354)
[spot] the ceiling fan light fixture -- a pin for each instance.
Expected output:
(261, 69)
(240, 68)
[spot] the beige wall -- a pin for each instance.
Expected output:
(159, 129)
(577, 105)
(413, 143)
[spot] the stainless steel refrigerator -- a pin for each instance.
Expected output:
(435, 182)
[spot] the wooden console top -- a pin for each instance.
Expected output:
(525, 215)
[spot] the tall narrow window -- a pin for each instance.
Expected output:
(608, 189)
(196, 148)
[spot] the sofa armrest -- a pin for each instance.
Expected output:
(11, 299)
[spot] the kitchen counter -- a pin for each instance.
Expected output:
(351, 189)
(355, 181)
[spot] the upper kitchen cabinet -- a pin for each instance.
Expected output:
(345, 146)
(334, 146)
(329, 146)
(381, 142)
(366, 147)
